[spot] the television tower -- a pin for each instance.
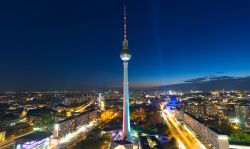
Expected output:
(125, 56)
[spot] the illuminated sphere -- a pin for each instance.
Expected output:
(125, 55)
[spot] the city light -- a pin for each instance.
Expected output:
(173, 125)
(65, 74)
(82, 129)
(237, 121)
(181, 145)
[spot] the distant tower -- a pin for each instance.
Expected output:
(125, 56)
(101, 102)
(102, 105)
(99, 99)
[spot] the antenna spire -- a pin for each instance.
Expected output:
(125, 22)
(125, 41)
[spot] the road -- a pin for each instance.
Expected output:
(184, 138)
(82, 109)
(7, 144)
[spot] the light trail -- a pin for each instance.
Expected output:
(181, 145)
(177, 126)
(174, 132)
(185, 138)
(84, 107)
(180, 132)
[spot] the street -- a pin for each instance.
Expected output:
(184, 138)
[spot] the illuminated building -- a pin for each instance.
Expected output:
(243, 115)
(150, 142)
(35, 140)
(102, 105)
(99, 99)
(197, 110)
(101, 102)
(70, 125)
(218, 140)
(64, 127)
(2, 136)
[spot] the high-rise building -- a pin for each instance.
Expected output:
(101, 102)
(212, 135)
(67, 126)
(2, 135)
(99, 99)
(125, 56)
(243, 115)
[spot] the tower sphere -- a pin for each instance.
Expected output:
(125, 55)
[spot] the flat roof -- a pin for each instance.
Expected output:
(146, 145)
(200, 119)
(35, 136)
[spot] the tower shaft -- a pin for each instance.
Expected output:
(125, 56)
(126, 113)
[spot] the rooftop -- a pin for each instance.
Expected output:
(150, 142)
(35, 136)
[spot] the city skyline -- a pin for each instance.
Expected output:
(126, 74)
(66, 45)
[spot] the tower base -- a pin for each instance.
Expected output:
(121, 144)
(128, 137)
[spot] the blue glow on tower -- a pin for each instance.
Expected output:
(125, 56)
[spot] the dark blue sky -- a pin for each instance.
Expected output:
(75, 44)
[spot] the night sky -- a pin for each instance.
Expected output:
(47, 44)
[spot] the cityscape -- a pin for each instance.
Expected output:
(125, 74)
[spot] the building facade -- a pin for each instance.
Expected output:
(70, 125)
(243, 115)
(218, 140)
